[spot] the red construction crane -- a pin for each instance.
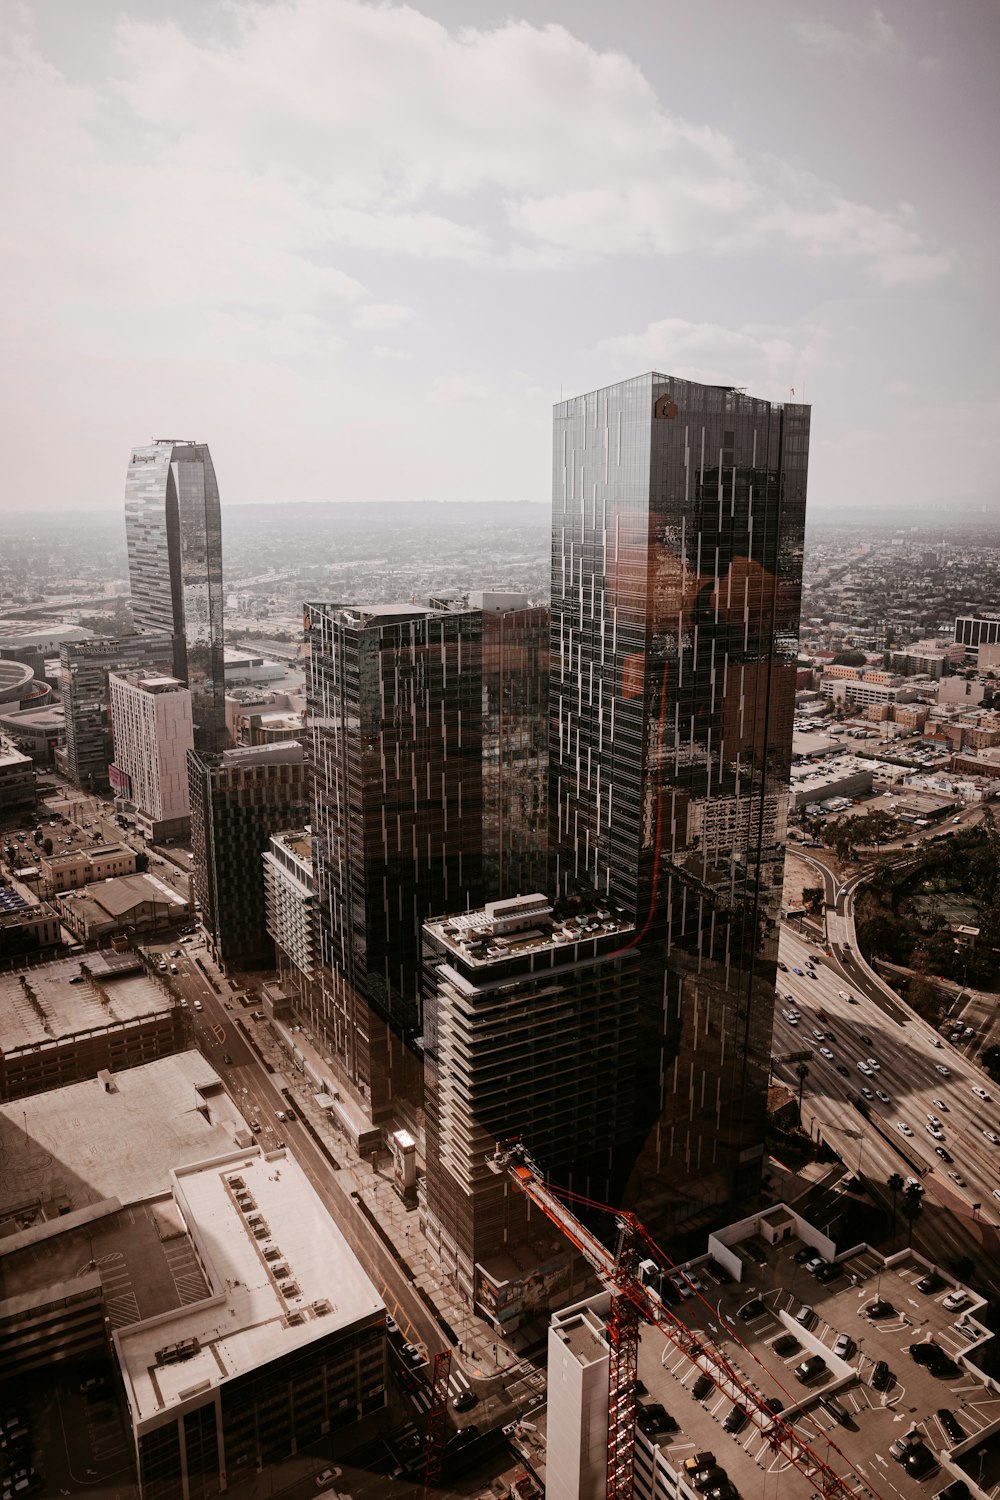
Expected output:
(436, 1420)
(632, 1303)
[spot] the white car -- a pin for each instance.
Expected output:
(957, 1177)
(943, 1070)
(825, 1052)
(843, 995)
(992, 1137)
(883, 1096)
(980, 1093)
(820, 1036)
(941, 1105)
(873, 1063)
(933, 1120)
(866, 1091)
(936, 1132)
(865, 1069)
(903, 1128)
(954, 1300)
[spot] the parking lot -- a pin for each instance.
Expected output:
(766, 1345)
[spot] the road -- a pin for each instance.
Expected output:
(256, 1094)
(910, 1056)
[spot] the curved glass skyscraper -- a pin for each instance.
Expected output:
(173, 528)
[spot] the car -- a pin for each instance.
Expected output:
(844, 1072)
(957, 1490)
(162, 967)
(873, 1063)
(925, 1352)
(782, 966)
(929, 1284)
(882, 1376)
(825, 1052)
(803, 1253)
(951, 1424)
(702, 1387)
(175, 953)
(736, 1420)
(866, 1092)
(865, 1069)
(254, 1125)
(820, 1036)
(919, 1461)
(881, 1094)
(811, 1370)
(227, 1059)
(851, 1000)
(901, 1447)
(943, 1069)
(198, 1005)
(941, 1105)
(279, 1114)
(828, 1272)
(934, 1120)
(958, 1178)
(880, 1308)
(462, 1438)
(290, 1114)
(843, 995)
(806, 1316)
(326, 1475)
(935, 1131)
(944, 1153)
(798, 971)
(654, 1418)
(92, 1383)
(708, 1477)
(465, 1401)
(980, 1093)
(943, 1367)
(188, 939)
(755, 1308)
(992, 1136)
(774, 1404)
(865, 1040)
(903, 1128)
(845, 1346)
(785, 1345)
(955, 1300)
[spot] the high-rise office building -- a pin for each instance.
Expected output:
(678, 516)
(238, 800)
(530, 1028)
(84, 670)
(395, 711)
(151, 729)
(173, 529)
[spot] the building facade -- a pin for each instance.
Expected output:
(151, 728)
(531, 1021)
(290, 914)
(17, 778)
(173, 530)
(515, 743)
(395, 711)
(973, 631)
(678, 516)
(84, 669)
(238, 800)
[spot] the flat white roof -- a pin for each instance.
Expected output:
(55, 1003)
(245, 1322)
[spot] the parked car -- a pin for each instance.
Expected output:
(845, 1346)
(810, 1370)
(786, 1345)
(755, 1308)
(952, 1426)
(882, 1376)
(955, 1300)
(702, 1387)
(805, 1316)
(881, 1309)
(929, 1284)
(736, 1420)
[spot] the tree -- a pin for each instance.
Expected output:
(913, 1202)
(801, 1073)
(895, 1185)
(48, 846)
(990, 1059)
(814, 899)
(849, 659)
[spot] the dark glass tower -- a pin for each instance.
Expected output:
(678, 516)
(173, 528)
(395, 710)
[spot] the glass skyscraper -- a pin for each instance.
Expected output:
(678, 517)
(173, 529)
(395, 713)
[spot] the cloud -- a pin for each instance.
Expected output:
(241, 166)
(766, 359)
(877, 39)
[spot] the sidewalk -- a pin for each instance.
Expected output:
(303, 1068)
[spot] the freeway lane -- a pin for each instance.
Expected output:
(909, 1056)
(256, 1095)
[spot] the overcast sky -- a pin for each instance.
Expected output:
(361, 249)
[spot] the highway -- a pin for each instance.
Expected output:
(910, 1056)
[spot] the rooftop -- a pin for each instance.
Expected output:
(79, 1145)
(875, 1418)
(280, 1271)
(50, 1002)
(122, 893)
(478, 937)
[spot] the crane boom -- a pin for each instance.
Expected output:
(633, 1302)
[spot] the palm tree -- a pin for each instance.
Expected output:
(912, 1205)
(895, 1185)
(802, 1073)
